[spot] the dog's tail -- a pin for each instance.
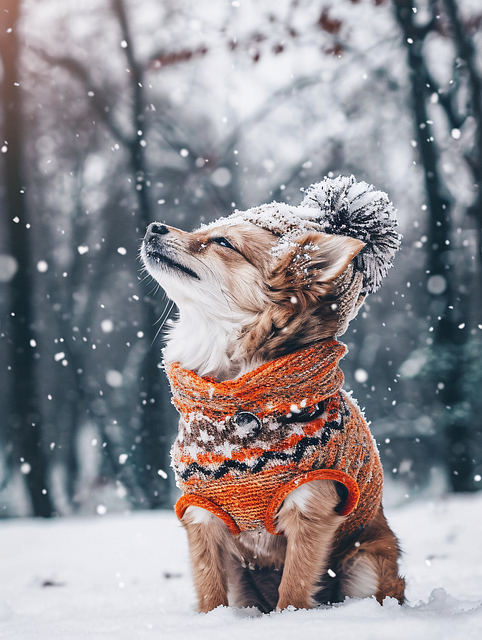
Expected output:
(346, 207)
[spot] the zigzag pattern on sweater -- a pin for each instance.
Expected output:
(271, 457)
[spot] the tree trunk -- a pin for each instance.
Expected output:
(158, 414)
(447, 310)
(24, 421)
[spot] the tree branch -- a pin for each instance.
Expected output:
(98, 101)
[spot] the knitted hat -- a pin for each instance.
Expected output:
(339, 206)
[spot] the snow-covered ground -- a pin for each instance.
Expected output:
(127, 577)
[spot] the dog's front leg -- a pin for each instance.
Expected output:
(308, 520)
(208, 539)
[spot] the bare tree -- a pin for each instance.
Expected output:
(449, 311)
(24, 422)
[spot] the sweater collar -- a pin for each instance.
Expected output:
(291, 384)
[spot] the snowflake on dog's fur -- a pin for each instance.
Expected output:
(302, 260)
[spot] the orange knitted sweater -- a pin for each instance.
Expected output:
(243, 445)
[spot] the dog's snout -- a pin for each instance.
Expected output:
(155, 229)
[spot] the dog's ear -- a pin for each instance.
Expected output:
(330, 255)
(313, 261)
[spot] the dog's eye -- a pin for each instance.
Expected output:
(224, 243)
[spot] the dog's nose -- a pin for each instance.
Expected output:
(155, 229)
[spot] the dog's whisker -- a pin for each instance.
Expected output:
(162, 319)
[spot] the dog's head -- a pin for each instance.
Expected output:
(274, 279)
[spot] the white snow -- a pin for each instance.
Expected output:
(127, 577)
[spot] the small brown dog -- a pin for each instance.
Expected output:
(281, 478)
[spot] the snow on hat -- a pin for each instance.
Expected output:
(339, 206)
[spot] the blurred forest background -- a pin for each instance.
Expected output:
(115, 113)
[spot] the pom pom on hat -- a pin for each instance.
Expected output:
(343, 206)
(339, 206)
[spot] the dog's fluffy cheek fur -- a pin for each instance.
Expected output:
(312, 293)
(213, 321)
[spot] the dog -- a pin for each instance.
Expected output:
(280, 476)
